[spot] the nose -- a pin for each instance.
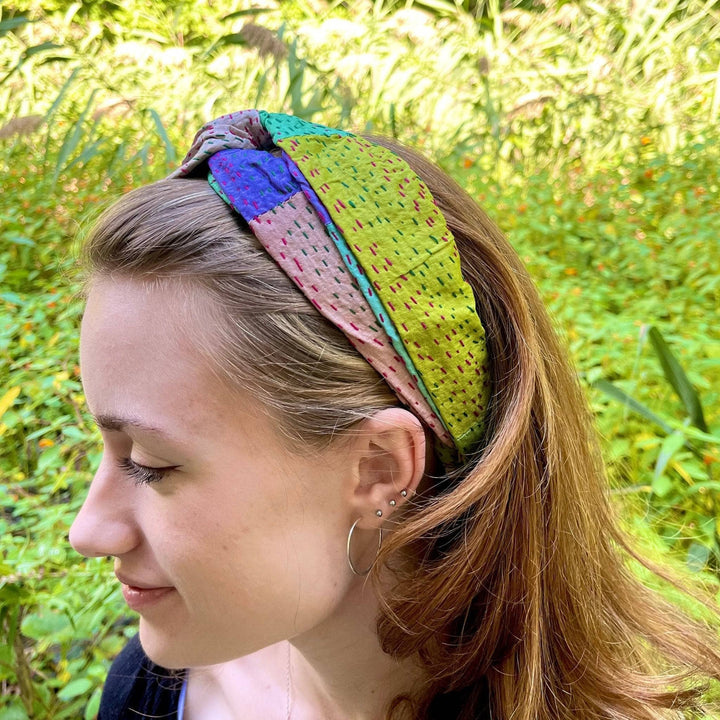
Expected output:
(106, 523)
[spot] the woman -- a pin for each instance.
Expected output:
(299, 391)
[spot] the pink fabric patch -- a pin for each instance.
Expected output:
(240, 130)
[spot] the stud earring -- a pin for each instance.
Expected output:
(378, 512)
(392, 503)
(403, 492)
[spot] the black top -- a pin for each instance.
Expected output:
(137, 687)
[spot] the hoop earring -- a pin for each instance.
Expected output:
(349, 558)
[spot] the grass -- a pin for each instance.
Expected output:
(586, 132)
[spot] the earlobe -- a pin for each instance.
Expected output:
(390, 466)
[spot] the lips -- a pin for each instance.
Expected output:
(141, 595)
(139, 584)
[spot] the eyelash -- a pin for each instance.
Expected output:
(142, 474)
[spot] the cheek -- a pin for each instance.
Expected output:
(287, 571)
(254, 561)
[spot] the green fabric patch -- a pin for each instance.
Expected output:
(400, 239)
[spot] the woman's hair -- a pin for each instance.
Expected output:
(514, 591)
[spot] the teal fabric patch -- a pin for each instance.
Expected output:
(285, 126)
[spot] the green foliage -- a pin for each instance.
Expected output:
(586, 131)
(629, 264)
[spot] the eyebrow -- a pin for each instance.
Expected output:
(115, 422)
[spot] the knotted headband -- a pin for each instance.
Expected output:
(361, 236)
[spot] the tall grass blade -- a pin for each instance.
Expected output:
(141, 156)
(676, 376)
(72, 139)
(42, 47)
(88, 153)
(50, 114)
(14, 23)
(296, 73)
(262, 81)
(630, 402)
(26, 55)
(56, 103)
(170, 154)
(117, 159)
(670, 446)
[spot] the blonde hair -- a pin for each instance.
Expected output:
(518, 597)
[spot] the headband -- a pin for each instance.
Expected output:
(361, 236)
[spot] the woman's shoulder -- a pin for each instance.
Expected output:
(137, 686)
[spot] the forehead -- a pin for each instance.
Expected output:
(141, 319)
(140, 356)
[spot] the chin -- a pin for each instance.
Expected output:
(164, 649)
(176, 651)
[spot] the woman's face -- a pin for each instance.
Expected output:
(249, 536)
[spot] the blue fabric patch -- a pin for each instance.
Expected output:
(310, 194)
(253, 180)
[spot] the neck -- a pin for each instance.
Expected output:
(336, 671)
(339, 670)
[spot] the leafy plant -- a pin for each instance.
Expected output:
(587, 132)
(683, 482)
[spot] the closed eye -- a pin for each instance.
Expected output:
(142, 474)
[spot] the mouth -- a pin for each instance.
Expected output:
(141, 596)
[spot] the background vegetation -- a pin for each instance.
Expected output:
(586, 128)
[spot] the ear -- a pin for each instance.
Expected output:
(391, 449)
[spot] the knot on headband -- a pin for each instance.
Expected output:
(361, 236)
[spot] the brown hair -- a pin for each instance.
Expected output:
(518, 598)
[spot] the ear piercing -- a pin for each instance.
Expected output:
(379, 513)
(393, 502)
(403, 493)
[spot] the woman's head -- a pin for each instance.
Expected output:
(192, 325)
(249, 535)
(506, 578)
